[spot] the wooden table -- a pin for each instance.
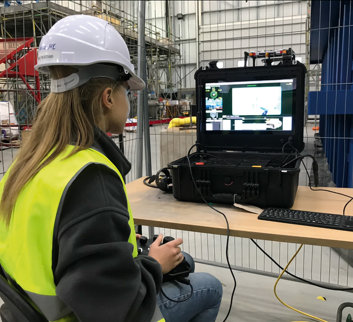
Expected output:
(153, 207)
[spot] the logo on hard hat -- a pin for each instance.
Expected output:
(44, 55)
(47, 47)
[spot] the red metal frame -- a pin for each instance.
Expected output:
(21, 61)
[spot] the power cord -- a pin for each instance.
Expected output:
(202, 153)
(299, 157)
(327, 190)
(183, 281)
(297, 277)
(289, 273)
(315, 166)
(285, 304)
(289, 142)
(294, 149)
(150, 180)
(228, 231)
(285, 269)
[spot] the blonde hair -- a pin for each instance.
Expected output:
(62, 119)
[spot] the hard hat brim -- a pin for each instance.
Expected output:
(136, 83)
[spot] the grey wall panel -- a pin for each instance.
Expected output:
(155, 9)
(233, 44)
(265, 40)
(267, 2)
(184, 7)
(213, 5)
(157, 25)
(241, 34)
(129, 9)
(245, 15)
(189, 80)
(228, 28)
(189, 30)
(189, 50)
(285, 23)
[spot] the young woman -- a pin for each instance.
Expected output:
(67, 234)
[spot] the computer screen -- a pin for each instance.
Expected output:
(256, 105)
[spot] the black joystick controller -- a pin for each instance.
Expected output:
(178, 273)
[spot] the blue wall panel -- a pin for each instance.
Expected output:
(350, 160)
(332, 45)
(331, 102)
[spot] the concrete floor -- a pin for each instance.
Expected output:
(254, 299)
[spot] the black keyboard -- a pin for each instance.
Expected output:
(308, 218)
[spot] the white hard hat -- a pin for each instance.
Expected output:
(81, 41)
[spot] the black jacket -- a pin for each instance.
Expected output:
(94, 271)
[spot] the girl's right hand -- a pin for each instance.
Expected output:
(168, 255)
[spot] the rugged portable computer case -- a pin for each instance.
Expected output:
(249, 136)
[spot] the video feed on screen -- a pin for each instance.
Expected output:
(214, 100)
(257, 100)
(265, 105)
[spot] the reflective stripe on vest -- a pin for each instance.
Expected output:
(26, 245)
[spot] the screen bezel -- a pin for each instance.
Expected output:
(251, 140)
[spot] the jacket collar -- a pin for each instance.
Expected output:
(104, 144)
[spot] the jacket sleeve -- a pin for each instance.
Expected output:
(94, 271)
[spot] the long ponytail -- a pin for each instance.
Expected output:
(62, 119)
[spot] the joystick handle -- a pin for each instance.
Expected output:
(167, 239)
(143, 240)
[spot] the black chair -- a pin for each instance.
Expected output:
(16, 307)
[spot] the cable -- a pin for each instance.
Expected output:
(180, 301)
(301, 157)
(345, 206)
(315, 169)
(337, 193)
(228, 231)
(285, 304)
(297, 277)
(150, 180)
(326, 190)
(289, 142)
(202, 153)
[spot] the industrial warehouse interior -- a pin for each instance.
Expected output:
(224, 80)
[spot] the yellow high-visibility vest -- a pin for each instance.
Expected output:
(26, 245)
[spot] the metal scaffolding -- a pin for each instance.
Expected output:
(34, 19)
